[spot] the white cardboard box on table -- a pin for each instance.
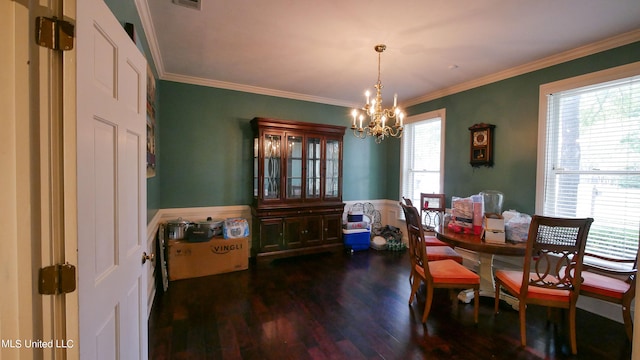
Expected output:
(493, 228)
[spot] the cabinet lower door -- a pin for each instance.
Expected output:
(332, 229)
(313, 230)
(294, 233)
(303, 231)
(271, 235)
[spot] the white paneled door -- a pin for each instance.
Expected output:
(111, 150)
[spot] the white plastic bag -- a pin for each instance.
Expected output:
(516, 225)
(235, 228)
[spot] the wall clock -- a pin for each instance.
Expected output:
(481, 145)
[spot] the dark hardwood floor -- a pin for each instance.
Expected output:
(341, 306)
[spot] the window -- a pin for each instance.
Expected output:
(422, 150)
(589, 156)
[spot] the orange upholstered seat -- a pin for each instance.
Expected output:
(435, 253)
(604, 285)
(449, 271)
(511, 280)
(434, 241)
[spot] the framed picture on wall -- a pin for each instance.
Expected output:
(151, 123)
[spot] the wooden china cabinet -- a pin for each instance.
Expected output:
(297, 188)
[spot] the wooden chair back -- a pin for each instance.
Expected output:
(412, 219)
(432, 209)
(415, 235)
(553, 244)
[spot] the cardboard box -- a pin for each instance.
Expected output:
(493, 222)
(216, 256)
(493, 236)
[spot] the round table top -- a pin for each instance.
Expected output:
(475, 243)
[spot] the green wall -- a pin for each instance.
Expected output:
(205, 139)
(206, 145)
(511, 105)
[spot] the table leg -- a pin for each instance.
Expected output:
(487, 284)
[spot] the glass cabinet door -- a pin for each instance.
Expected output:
(314, 154)
(332, 175)
(294, 167)
(256, 159)
(272, 162)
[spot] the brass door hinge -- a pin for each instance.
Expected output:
(57, 279)
(54, 33)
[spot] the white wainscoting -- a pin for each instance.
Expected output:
(389, 211)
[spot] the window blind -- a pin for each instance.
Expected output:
(592, 164)
(421, 167)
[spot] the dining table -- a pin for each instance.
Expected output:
(486, 252)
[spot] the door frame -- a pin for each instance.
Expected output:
(17, 318)
(32, 185)
(70, 247)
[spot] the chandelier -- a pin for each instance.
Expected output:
(379, 118)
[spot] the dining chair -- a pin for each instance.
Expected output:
(442, 273)
(613, 280)
(430, 240)
(436, 252)
(439, 250)
(553, 243)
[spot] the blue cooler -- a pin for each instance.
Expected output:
(356, 239)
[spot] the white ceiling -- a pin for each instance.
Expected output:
(322, 50)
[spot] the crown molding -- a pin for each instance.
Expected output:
(147, 24)
(150, 33)
(251, 89)
(590, 49)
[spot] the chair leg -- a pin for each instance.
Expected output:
(476, 304)
(414, 289)
(427, 304)
(628, 323)
(572, 330)
(497, 300)
(523, 322)
(453, 297)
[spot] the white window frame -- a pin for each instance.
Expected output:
(440, 113)
(603, 76)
